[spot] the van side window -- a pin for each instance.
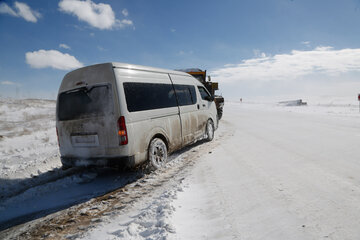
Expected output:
(85, 102)
(147, 96)
(204, 94)
(185, 94)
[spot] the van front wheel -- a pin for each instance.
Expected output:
(157, 153)
(209, 131)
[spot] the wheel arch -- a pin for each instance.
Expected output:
(213, 122)
(162, 137)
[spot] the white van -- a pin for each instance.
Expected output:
(124, 114)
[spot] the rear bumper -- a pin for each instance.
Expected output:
(128, 161)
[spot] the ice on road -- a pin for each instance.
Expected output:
(282, 175)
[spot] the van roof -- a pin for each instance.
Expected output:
(87, 71)
(145, 68)
(131, 66)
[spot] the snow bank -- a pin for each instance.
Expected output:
(28, 142)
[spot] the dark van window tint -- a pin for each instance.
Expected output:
(146, 96)
(204, 94)
(85, 102)
(186, 94)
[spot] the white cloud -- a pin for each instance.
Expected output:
(320, 71)
(182, 53)
(20, 10)
(125, 12)
(8, 83)
(63, 45)
(258, 53)
(98, 15)
(26, 12)
(53, 59)
(297, 64)
(4, 8)
(172, 30)
(123, 23)
(307, 43)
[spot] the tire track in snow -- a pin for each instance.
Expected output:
(76, 220)
(45, 178)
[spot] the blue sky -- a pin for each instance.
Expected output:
(251, 47)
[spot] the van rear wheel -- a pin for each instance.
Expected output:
(157, 153)
(209, 131)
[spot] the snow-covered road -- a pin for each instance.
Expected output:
(282, 175)
(272, 172)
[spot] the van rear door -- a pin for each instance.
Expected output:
(87, 124)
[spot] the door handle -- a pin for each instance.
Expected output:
(198, 106)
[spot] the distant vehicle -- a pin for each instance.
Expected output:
(123, 114)
(298, 102)
(200, 75)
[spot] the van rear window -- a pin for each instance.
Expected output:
(147, 96)
(85, 102)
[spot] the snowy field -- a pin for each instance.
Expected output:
(287, 173)
(272, 172)
(28, 143)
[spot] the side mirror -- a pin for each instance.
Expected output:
(209, 98)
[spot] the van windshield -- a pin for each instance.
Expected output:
(85, 102)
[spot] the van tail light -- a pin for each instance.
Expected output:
(57, 135)
(123, 137)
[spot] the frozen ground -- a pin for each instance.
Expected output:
(283, 175)
(28, 144)
(325, 105)
(272, 172)
(278, 173)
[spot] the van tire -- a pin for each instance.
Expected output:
(157, 153)
(209, 131)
